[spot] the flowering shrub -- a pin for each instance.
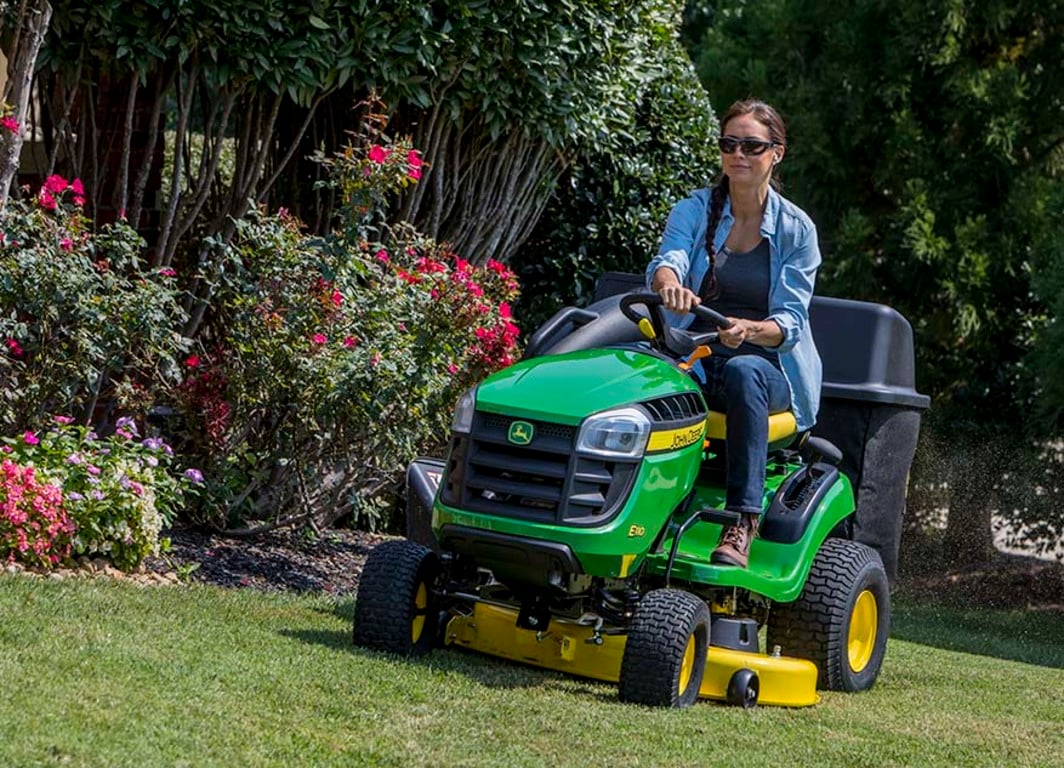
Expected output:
(83, 319)
(117, 492)
(34, 528)
(330, 363)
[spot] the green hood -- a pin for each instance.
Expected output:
(567, 388)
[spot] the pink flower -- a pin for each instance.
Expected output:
(10, 123)
(319, 338)
(413, 158)
(350, 341)
(382, 256)
(56, 184)
(378, 154)
(375, 359)
(66, 244)
(504, 311)
(77, 187)
(62, 419)
(452, 368)
(80, 201)
(414, 173)
(14, 348)
(168, 272)
(29, 438)
(337, 298)
(192, 361)
(47, 200)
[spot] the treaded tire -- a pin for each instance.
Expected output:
(665, 653)
(846, 590)
(397, 609)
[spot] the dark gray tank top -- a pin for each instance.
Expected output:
(742, 291)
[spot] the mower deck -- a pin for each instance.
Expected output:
(565, 647)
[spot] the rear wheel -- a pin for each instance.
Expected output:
(397, 609)
(841, 620)
(665, 653)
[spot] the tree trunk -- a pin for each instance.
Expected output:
(33, 23)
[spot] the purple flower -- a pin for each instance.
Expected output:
(153, 443)
(98, 495)
(126, 424)
(75, 496)
(74, 458)
(151, 461)
(92, 469)
(194, 475)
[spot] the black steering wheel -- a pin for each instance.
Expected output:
(680, 343)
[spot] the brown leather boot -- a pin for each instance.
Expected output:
(734, 546)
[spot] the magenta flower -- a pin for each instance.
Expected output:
(47, 200)
(192, 361)
(378, 154)
(382, 256)
(9, 123)
(337, 298)
(66, 244)
(14, 348)
(350, 341)
(168, 272)
(56, 184)
(62, 420)
(29, 438)
(319, 338)
(77, 187)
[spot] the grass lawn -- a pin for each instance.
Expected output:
(100, 673)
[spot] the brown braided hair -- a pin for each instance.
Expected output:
(768, 117)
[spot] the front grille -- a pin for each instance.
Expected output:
(543, 481)
(683, 407)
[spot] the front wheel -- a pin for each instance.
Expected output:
(397, 609)
(665, 653)
(841, 620)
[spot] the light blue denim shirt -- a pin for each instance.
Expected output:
(794, 257)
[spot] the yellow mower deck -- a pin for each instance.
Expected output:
(493, 630)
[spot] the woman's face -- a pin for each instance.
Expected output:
(747, 168)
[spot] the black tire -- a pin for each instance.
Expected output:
(743, 688)
(397, 609)
(841, 620)
(665, 653)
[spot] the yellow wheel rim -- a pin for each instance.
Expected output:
(688, 664)
(421, 602)
(864, 621)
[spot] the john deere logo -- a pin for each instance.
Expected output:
(520, 433)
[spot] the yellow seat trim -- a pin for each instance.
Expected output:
(780, 426)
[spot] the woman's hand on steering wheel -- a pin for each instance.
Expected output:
(679, 299)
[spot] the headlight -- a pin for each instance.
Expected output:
(463, 411)
(621, 434)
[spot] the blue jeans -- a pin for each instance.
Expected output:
(747, 388)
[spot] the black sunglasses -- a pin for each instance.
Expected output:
(750, 147)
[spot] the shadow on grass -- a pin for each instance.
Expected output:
(1028, 636)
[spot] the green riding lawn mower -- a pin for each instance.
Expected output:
(571, 524)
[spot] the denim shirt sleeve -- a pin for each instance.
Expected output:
(683, 230)
(791, 293)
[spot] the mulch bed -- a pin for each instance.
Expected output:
(278, 560)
